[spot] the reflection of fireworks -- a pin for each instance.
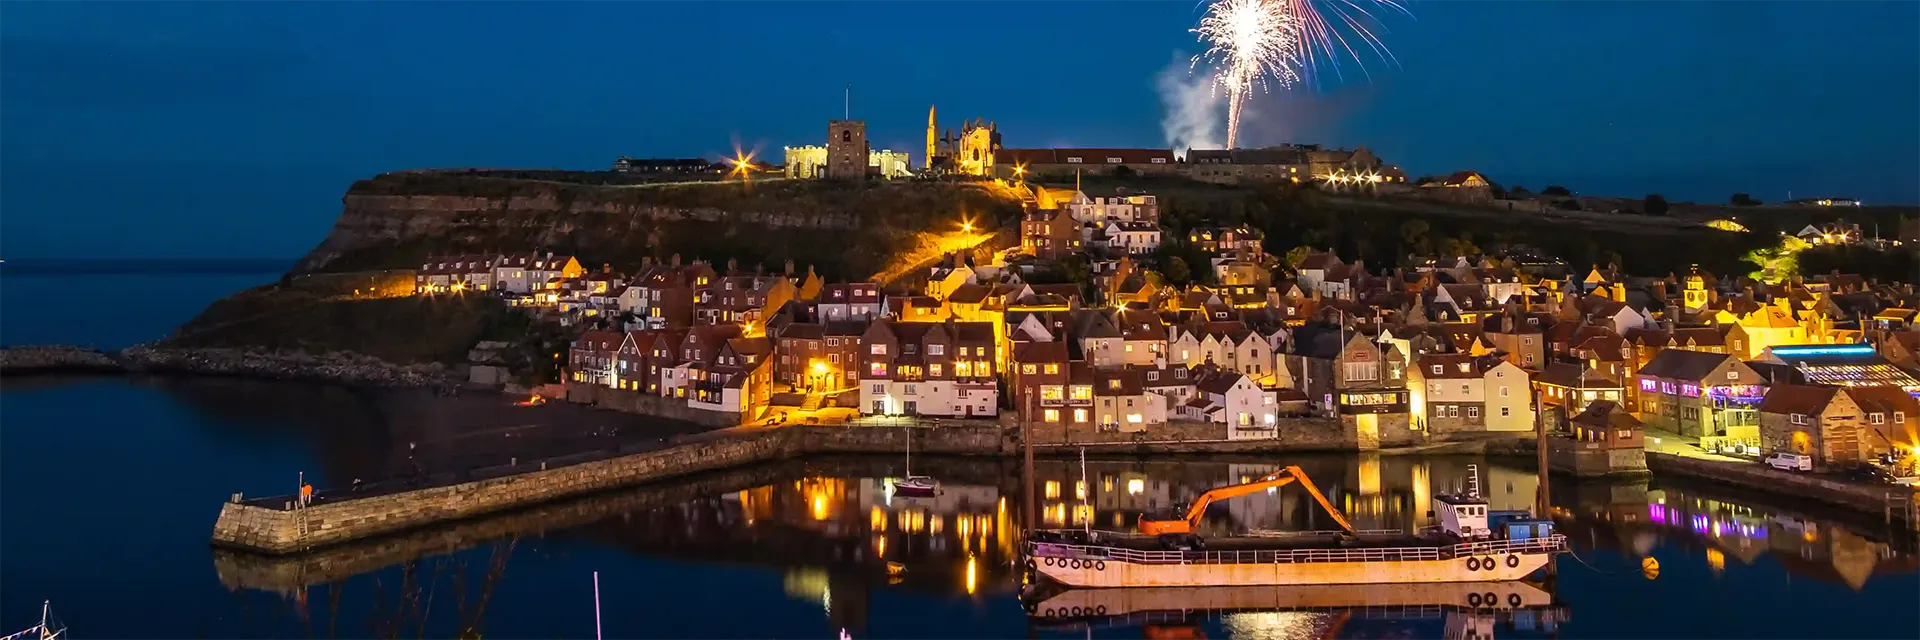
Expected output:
(1252, 42)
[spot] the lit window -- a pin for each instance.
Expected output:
(1053, 415)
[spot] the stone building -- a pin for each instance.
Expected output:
(847, 149)
(811, 162)
(1837, 425)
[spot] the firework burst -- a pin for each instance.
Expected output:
(1253, 44)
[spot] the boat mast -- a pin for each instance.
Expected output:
(1084, 490)
(909, 452)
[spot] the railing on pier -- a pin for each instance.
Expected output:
(1553, 544)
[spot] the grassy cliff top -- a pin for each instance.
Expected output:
(760, 195)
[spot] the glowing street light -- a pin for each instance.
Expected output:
(967, 227)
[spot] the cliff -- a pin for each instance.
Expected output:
(844, 230)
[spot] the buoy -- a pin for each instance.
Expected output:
(1650, 567)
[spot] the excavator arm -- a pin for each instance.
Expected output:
(1189, 521)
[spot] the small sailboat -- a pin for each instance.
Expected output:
(48, 629)
(914, 486)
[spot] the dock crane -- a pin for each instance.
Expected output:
(1185, 523)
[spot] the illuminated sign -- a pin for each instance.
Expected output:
(1373, 402)
(1690, 390)
(1823, 350)
(1649, 384)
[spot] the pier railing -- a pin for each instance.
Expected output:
(1551, 544)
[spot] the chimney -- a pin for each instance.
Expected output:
(675, 260)
(732, 265)
(606, 268)
(1660, 290)
(788, 268)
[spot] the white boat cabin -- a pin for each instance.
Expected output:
(1462, 515)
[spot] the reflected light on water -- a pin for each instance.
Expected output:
(1271, 625)
(973, 575)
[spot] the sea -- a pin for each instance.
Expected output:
(109, 488)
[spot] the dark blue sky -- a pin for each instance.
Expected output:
(231, 129)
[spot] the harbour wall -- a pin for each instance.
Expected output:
(270, 525)
(1578, 459)
(1749, 475)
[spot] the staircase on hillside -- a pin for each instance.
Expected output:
(813, 401)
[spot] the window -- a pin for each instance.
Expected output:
(1053, 369)
(1437, 369)
(1465, 388)
(1899, 416)
(936, 349)
(1073, 159)
(1028, 369)
(1081, 392)
(880, 388)
(1153, 376)
(833, 358)
(1798, 418)
(1876, 418)
(1453, 411)
(1434, 386)
(961, 368)
(1079, 415)
(877, 369)
(1052, 415)
(1473, 413)
(878, 350)
(846, 135)
(1733, 375)
(1113, 160)
(1157, 161)
(1503, 391)
(1050, 392)
(1358, 371)
(1506, 411)
(910, 390)
(1113, 384)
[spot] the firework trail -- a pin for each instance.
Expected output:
(1252, 43)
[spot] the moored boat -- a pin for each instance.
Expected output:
(1167, 552)
(48, 629)
(1069, 604)
(916, 486)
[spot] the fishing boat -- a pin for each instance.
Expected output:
(48, 629)
(915, 486)
(1470, 545)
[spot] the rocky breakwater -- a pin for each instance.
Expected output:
(343, 368)
(47, 359)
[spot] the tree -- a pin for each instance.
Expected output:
(1414, 232)
(1297, 255)
(1518, 192)
(1556, 190)
(1176, 270)
(1654, 205)
(1743, 200)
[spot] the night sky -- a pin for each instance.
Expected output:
(231, 129)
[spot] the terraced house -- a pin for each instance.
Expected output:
(928, 369)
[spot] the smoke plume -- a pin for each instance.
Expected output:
(1192, 119)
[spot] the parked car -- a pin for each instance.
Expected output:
(1871, 474)
(1789, 461)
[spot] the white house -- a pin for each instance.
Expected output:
(1097, 210)
(1133, 237)
(1232, 399)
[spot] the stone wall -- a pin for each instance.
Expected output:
(274, 530)
(1750, 475)
(44, 359)
(1580, 459)
(649, 405)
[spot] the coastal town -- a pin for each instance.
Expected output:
(1263, 342)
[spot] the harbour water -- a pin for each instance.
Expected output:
(109, 488)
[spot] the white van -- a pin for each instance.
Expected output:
(1789, 461)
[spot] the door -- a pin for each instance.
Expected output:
(879, 407)
(913, 408)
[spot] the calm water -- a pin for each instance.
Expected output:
(109, 488)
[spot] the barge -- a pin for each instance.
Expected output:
(1167, 553)
(1061, 605)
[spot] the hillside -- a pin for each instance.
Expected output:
(844, 230)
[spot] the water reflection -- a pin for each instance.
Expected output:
(1809, 542)
(836, 538)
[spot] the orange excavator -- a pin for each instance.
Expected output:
(1185, 523)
